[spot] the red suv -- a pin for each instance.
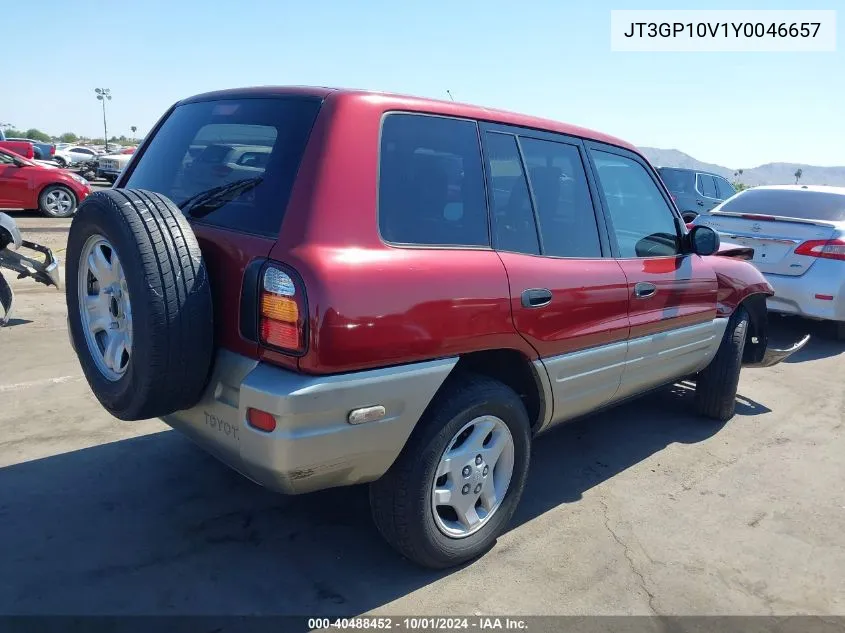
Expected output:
(326, 287)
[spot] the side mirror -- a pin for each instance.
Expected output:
(703, 240)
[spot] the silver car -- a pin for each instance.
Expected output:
(798, 236)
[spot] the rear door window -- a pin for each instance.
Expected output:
(510, 202)
(230, 163)
(431, 183)
(562, 199)
(724, 188)
(707, 186)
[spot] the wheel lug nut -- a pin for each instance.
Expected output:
(485, 471)
(478, 489)
(466, 471)
(478, 460)
(465, 489)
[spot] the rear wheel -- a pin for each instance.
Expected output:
(457, 483)
(839, 330)
(715, 390)
(57, 201)
(139, 304)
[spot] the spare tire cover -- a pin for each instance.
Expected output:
(139, 303)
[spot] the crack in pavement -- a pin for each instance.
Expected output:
(627, 553)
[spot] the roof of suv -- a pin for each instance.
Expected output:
(692, 171)
(417, 104)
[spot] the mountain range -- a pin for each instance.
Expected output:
(768, 174)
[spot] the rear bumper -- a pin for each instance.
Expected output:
(313, 445)
(797, 295)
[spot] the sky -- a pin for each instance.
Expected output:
(548, 58)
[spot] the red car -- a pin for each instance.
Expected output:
(28, 185)
(327, 287)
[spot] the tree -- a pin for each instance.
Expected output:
(798, 174)
(134, 129)
(37, 135)
(739, 186)
(68, 137)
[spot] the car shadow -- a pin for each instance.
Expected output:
(14, 321)
(786, 330)
(153, 525)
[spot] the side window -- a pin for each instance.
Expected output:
(562, 198)
(725, 188)
(5, 159)
(707, 186)
(513, 216)
(431, 184)
(643, 222)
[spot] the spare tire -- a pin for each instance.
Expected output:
(139, 303)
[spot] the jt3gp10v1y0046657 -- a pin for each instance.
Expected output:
(722, 29)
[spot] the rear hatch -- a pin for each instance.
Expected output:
(777, 221)
(229, 161)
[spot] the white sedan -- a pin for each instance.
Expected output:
(74, 154)
(798, 236)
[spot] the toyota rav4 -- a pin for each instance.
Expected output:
(326, 287)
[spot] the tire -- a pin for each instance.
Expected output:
(61, 162)
(48, 202)
(402, 500)
(715, 389)
(169, 341)
(839, 330)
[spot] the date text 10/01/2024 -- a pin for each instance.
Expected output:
(722, 29)
(423, 623)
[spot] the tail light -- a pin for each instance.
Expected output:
(826, 249)
(757, 216)
(52, 150)
(282, 311)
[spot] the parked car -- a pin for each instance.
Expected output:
(21, 148)
(695, 191)
(25, 184)
(379, 296)
(73, 155)
(43, 151)
(798, 236)
(110, 165)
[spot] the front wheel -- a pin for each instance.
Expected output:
(715, 389)
(57, 201)
(458, 481)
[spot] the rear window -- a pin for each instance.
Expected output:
(229, 163)
(431, 183)
(789, 203)
(678, 180)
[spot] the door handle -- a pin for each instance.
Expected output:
(643, 290)
(700, 203)
(536, 297)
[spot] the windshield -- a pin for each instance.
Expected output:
(678, 180)
(207, 148)
(804, 204)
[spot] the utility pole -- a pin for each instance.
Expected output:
(104, 94)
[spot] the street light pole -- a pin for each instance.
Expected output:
(104, 94)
